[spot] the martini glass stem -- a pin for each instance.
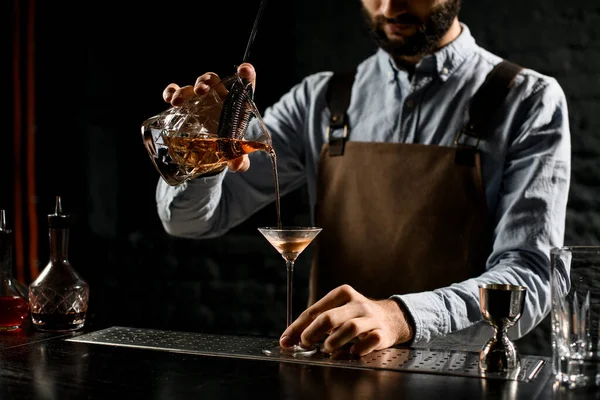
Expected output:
(290, 277)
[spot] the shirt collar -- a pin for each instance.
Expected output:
(443, 62)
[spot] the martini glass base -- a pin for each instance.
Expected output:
(294, 351)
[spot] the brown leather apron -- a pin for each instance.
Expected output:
(398, 218)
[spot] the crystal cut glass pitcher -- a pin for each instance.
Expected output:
(206, 132)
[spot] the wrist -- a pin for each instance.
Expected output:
(406, 329)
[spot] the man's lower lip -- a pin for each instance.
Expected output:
(400, 28)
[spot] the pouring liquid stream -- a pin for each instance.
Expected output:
(276, 179)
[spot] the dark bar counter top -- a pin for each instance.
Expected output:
(38, 365)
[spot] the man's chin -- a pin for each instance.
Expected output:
(396, 43)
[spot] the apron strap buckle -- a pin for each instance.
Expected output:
(467, 139)
(465, 148)
(336, 144)
(338, 96)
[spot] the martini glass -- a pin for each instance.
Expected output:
(290, 241)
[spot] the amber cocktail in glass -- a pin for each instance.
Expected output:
(290, 241)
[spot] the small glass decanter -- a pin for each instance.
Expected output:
(58, 298)
(13, 306)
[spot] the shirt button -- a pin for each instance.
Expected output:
(445, 71)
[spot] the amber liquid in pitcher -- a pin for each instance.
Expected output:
(200, 155)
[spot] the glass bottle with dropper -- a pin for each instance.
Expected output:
(59, 296)
(14, 309)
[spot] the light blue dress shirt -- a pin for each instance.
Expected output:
(525, 168)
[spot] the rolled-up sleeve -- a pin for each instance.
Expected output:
(529, 220)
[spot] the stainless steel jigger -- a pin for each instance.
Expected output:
(501, 306)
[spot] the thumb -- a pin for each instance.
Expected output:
(246, 70)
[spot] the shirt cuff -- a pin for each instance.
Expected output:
(209, 179)
(429, 315)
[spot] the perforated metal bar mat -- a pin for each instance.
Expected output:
(457, 363)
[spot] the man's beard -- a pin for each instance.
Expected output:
(425, 40)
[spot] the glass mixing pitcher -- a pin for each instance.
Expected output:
(202, 135)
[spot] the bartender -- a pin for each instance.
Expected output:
(433, 167)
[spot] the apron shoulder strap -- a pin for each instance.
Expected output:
(485, 102)
(489, 98)
(338, 95)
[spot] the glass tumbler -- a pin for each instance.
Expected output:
(575, 290)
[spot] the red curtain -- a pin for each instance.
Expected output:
(25, 213)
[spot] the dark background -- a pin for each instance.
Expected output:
(99, 70)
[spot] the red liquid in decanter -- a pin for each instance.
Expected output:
(13, 312)
(14, 308)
